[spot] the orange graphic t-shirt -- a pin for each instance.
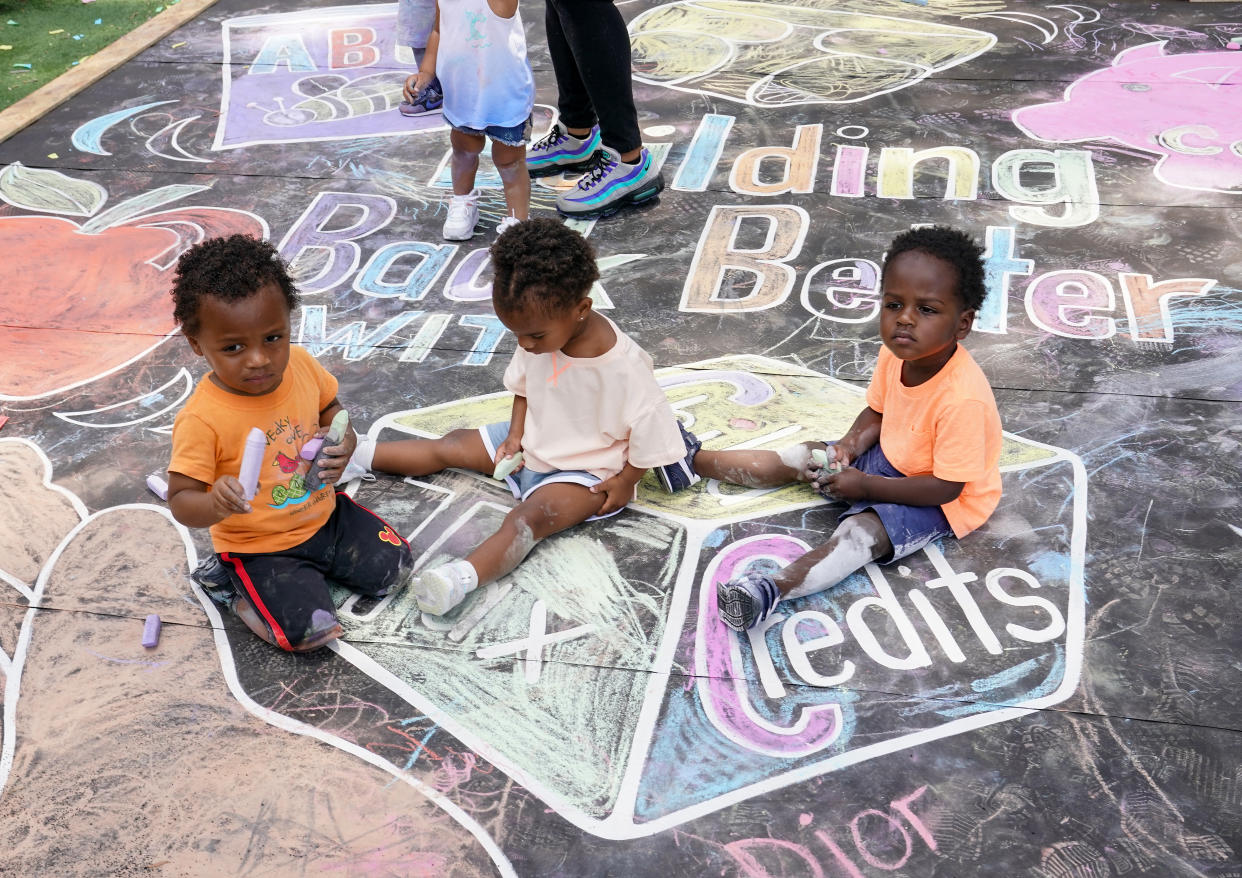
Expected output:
(947, 427)
(209, 438)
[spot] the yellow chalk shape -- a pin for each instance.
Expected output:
(59, 30)
(53, 155)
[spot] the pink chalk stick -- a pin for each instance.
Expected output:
(311, 448)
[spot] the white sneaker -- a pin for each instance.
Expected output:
(440, 589)
(463, 216)
(507, 223)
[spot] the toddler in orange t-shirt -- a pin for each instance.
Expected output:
(920, 463)
(276, 550)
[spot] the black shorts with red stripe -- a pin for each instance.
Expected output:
(355, 548)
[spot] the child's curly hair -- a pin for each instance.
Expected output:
(954, 247)
(231, 269)
(543, 264)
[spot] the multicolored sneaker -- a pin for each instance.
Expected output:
(558, 151)
(429, 100)
(748, 599)
(611, 184)
(680, 475)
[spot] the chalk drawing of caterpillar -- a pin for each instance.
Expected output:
(768, 54)
(332, 97)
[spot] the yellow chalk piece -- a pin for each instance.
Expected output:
(5, 48)
(53, 155)
(178, 45)
(59, 30)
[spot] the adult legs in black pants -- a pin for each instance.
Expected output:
(590, 50)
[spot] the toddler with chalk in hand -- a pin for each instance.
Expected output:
(248, 460)
(921, 461)
(588, 417)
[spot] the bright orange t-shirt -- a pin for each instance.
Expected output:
(209, 438)
(948, 427)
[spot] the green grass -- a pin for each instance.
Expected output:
(51, 54)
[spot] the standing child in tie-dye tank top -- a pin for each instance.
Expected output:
(478, 50)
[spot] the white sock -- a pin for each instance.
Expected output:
(359, 466)
(463, 573)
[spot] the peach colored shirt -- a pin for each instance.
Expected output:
(594, 414)
(947, 427)
(209, 438)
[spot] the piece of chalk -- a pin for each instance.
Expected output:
(252, 462)
(157, 486)
(507, 465)
(820, 456)
(311, 448)
(4, 419)
(151, 631)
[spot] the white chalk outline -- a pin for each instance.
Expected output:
(228, 669)
(619, 824)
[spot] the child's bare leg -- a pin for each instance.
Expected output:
(550, 509)
(510, 162)
(748, 599)
(857, 541)
(465, 162)
(420, 457)
(758, 468)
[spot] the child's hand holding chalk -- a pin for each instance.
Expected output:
(830, 464)
(228, 497)
(330, 452)
(506, 465)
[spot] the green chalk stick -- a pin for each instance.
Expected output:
(820, 456)
(507, 465)
(336, 430)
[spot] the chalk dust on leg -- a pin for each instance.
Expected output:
(128, 757)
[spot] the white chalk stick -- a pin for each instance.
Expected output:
(252, 462)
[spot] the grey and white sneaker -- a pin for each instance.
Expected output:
(558, 151)
(611, 184)
(463, 216)
(746, 599)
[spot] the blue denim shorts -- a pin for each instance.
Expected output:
(526, 481)
(509, 135)
(909, 528)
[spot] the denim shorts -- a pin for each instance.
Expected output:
(509, 135)
(526, 481)
(909, 528)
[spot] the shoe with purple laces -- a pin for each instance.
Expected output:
(746, 599)
(611, 184)
(558, 151)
